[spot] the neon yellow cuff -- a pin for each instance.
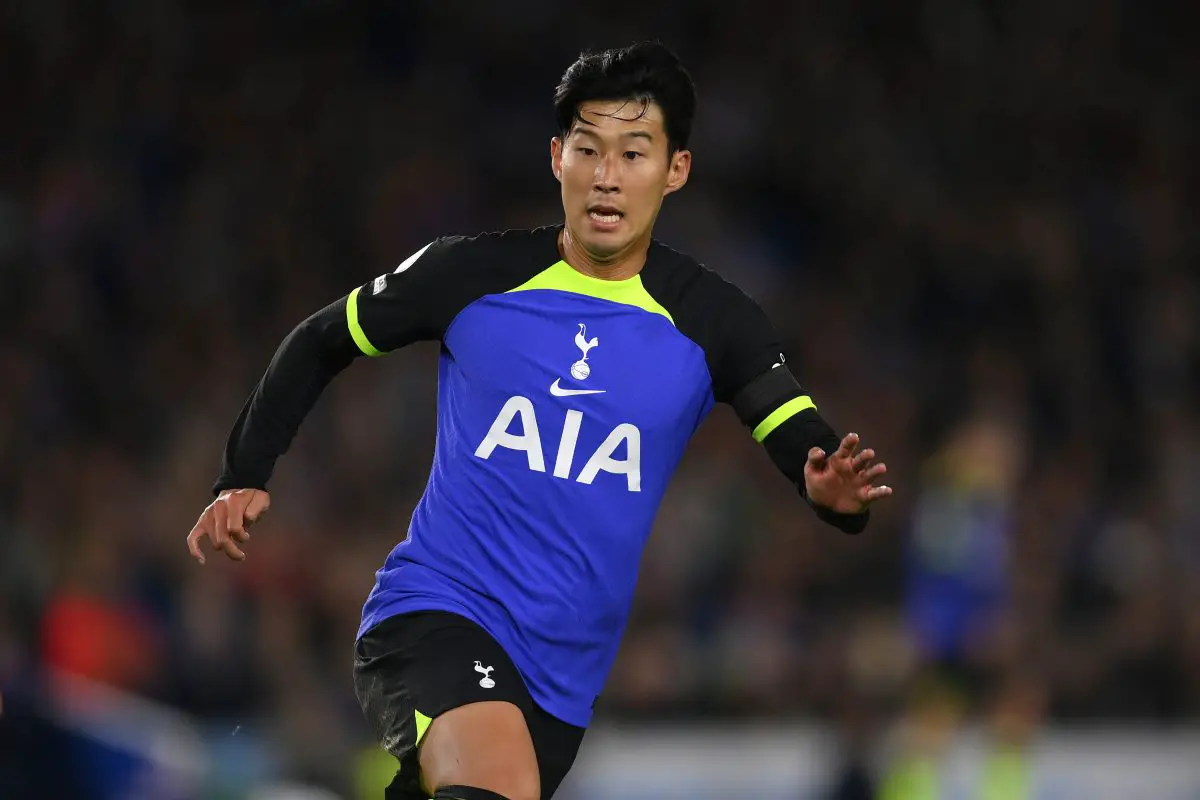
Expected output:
(780, 415)
(360, 337)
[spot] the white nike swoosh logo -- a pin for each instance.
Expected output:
(558, 391)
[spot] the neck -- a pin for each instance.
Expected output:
(619, 267)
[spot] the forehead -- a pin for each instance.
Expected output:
(620, 117)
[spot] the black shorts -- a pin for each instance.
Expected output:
(410, 668)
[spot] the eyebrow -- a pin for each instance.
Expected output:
(627, 135)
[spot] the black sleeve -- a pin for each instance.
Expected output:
(413, 303)
(307, 360)
(750, 373)
(783, 418)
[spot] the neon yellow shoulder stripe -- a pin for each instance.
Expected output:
(777, 417)
(360, 337)
(562, 277)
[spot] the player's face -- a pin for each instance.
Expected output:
(615, 169)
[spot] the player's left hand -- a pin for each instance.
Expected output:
(844, 481)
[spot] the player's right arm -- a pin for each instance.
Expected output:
(414, 303)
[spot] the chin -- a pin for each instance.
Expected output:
(604, 247)
(604, 243)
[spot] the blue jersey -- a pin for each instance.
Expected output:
(564, 405)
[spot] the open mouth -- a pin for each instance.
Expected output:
(605, 215)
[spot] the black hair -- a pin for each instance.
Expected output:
(645, 72)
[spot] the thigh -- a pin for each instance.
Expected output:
(556, 744)
(411, 669)
(484, 746)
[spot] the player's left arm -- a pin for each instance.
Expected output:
(832, 473)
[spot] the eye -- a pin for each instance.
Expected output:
(587, 151)
(632, 155)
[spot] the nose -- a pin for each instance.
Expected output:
(606, 179)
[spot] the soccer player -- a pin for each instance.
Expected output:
(576, 362)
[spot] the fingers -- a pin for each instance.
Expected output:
(220, 531)
(235, 521)
(193, 539)
(258, 504)
(847, 447)
(863, 459)
(870, 494)
(225, 521)
(871, 473)
(218, 527)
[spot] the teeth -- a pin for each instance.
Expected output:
(610, 218)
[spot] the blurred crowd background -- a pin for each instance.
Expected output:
(974, 224)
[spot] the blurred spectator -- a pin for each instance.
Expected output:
(1014, 720)
(958, 593)
(915, 769)
(855, 776)
(91, 630)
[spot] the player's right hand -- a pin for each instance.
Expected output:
(226, 520)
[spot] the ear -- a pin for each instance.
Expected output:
(680, 169)
(556, 151)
